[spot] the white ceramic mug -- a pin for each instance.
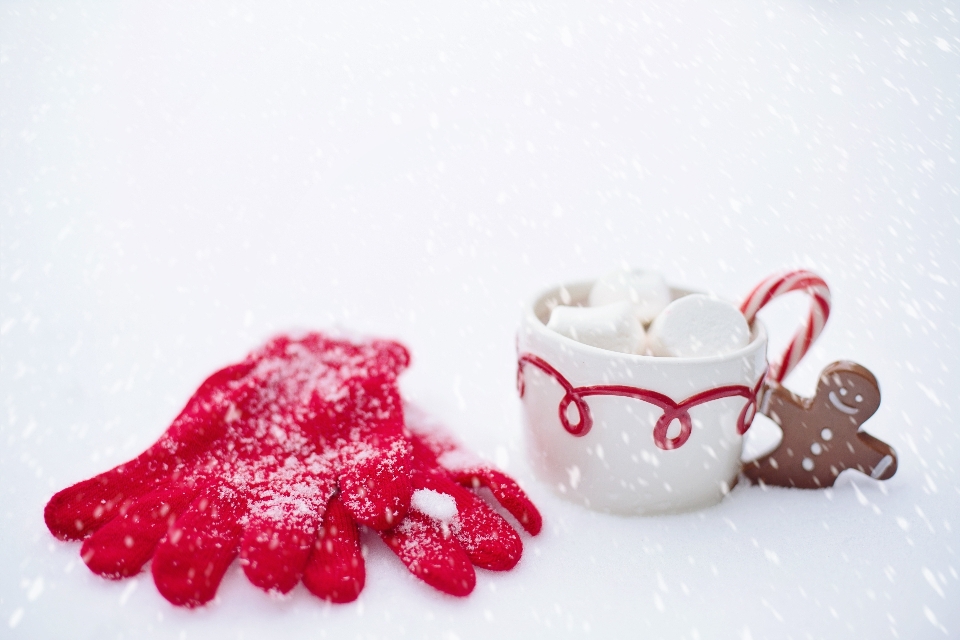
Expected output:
(628, 433)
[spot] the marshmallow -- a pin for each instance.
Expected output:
(647, 290)
(614, 327)
(697, 326)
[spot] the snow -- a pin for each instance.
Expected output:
(179, 183)
(436, 505)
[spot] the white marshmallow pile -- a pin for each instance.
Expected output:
(614, 326)
(621, 303)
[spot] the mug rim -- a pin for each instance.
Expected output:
(758, 332)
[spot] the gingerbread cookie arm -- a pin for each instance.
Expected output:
(782, 467)
(821, 435)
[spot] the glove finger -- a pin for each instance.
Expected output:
(207, 414)
(375, 478)
(507, 492)
(122, 546)
(191, 559)
(488, 539)
(376, 488)
(282, 530)
(433, 442)
(273, 554)
(431, 553)
(335, 569)
(74, 512)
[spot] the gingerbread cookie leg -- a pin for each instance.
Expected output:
(821, 435)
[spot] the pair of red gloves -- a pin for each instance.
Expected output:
(278, 459)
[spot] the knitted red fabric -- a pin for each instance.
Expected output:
(449, 529)
(277, 459)
(248, 468)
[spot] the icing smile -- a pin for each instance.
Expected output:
(835, 401)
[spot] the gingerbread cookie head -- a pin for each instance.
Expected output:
(847, 389)
(821, 435)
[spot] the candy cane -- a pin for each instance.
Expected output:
(775, 285)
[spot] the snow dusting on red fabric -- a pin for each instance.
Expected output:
(278, 459)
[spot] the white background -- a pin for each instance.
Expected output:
(177, 183)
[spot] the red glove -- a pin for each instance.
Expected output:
(301, 431)
(248, 467)
(447, 531)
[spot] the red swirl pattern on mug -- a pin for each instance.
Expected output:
(671, 410)
(779, 284)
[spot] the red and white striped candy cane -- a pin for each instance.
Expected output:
(775, 285)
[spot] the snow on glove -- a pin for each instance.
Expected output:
(449, 529)
(249, 466)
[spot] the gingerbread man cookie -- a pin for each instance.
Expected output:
(821, 435)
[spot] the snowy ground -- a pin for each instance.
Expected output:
(177, 184)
